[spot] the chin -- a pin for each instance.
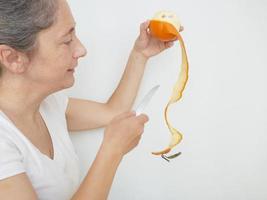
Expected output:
(69, 83)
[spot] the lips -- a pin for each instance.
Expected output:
(72, 69)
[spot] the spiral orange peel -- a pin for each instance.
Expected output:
(165, 26)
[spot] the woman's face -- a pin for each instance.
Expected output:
(57, 53)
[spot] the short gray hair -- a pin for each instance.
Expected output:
(22, 20)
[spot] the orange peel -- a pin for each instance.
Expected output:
(165, 26)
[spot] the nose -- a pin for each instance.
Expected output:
(80, 50)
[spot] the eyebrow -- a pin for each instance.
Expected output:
(70, 31)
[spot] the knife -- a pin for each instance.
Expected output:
(141, 107)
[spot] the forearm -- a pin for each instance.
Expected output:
(98, 181)
(124, 95)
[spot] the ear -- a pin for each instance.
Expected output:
(13, 60)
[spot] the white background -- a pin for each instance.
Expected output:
(222, 114)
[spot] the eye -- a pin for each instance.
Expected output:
(68, 42)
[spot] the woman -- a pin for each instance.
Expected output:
(38, 53)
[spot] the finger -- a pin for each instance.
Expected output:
(168, 44)
(135, 142)
(142, 118)
(145, 24)
(125, 115)
(173, 40)
(143, 29)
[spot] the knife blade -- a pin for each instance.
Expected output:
(140, 108)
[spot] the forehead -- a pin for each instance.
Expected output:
(64, 20)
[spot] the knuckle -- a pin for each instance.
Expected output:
(143, 118)
(146, 117)
(140, 130)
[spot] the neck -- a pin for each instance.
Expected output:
(21, 99)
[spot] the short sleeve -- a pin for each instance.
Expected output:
(61, 100)
(11, 159)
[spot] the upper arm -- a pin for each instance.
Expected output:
(84, 114)
(17, 187)
(14, 183)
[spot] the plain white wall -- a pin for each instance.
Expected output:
(223, 111)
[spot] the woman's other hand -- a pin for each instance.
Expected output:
(124, 131)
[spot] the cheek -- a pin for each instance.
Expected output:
(51, 63)
(59, 61)
(65, 55)
(55, 52)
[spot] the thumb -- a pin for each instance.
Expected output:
(142, 118)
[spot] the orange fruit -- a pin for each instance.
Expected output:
(164, 31)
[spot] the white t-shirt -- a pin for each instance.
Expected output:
(52, 179)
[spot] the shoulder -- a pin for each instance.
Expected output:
(56, 101)
(7, 132)
(11, 158)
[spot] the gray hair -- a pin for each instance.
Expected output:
(22, 20)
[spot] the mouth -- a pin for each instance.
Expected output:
(72, 69)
